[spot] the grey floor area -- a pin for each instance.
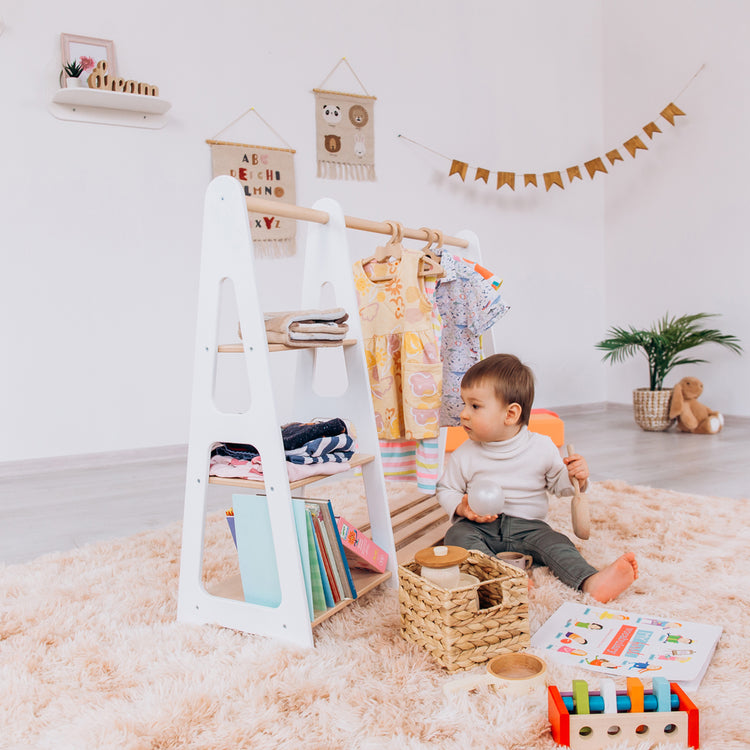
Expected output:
(105, 496)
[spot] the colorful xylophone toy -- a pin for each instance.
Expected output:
(593, 721)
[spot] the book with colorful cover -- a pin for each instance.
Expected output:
(323, 577)
(316, 582)
(250, 526)
(361, 551)
(324, 548)
(336, 551)
(619, 643)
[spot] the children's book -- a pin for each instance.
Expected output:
(361, 551)
(336, 551)
(325, 570)
(325, 553)
(618, 643)
(250, 525)
(318, 597)
(321, 565)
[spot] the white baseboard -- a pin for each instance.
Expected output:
(176, 453)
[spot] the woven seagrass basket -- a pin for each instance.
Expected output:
(467, 626)
(651, 409)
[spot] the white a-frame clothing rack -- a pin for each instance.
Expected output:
(227, 255)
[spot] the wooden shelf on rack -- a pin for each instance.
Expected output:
(238, 348)
(358, 459)
(364, 581)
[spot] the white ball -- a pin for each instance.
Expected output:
(486, 498)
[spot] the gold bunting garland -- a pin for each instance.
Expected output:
(592, 166)
(632, 145)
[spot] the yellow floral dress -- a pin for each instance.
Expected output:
(402, 350)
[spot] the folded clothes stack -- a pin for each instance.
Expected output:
(301, 328)
(318, 447)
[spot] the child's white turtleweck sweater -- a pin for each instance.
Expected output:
(525, 467)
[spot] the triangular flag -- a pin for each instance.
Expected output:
(482, 174)
(613, 156)
(595, 165)
(506, 178)
(650, 129)
(553, 178)
(529, 179)
(574, 172)
(459, 168)
(670, 112)
(633, 144)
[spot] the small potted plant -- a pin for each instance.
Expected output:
(75, 71)
(662, 344)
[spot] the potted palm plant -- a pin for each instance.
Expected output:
(662, 344)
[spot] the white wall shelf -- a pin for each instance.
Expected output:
(109, 108)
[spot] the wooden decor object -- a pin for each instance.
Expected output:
(100, 79)
(595, 165)
(650, 129)
(633, 144)
(459, 168)
(613, 156)
(482, 174)
(529, 179)
(574, 173)
(553, 178)
(506, 178)
(670, 112)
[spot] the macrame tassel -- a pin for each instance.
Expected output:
(331, 170)
(275, 248)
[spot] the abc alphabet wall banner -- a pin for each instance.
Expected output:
(264, 172)
(345, 135)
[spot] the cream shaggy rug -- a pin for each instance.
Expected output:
(91, 655)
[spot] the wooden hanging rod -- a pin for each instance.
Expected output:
(290, 211)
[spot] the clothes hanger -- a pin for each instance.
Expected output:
(393, 248)
(376, 265)
(429, 265)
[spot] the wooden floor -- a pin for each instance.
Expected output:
(70, 502)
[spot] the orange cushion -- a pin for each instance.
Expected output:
(548, 423)
(542, 420)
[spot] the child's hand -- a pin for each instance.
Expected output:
(464, 509)
(577, 469)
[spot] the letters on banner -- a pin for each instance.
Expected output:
(264, 172)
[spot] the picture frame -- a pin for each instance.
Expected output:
(73, 46)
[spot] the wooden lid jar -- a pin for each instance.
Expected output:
(440, 565)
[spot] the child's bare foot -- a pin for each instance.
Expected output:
(611, 581)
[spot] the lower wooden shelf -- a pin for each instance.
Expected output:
(358, 459)
(364, 581)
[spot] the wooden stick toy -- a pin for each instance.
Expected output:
(579, 508)
(594, 721)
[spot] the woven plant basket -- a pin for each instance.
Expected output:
(651, 409)
(466, 626)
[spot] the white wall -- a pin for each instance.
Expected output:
(100, 226)
(676, 236)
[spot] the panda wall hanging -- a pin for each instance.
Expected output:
(344, 127)
(264, 172)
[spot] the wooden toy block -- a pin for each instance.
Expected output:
(663, 714)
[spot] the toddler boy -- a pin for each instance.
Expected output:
(498, 393)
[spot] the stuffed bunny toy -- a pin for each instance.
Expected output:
(691, 415)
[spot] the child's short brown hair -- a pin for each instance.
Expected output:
(512, 380)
